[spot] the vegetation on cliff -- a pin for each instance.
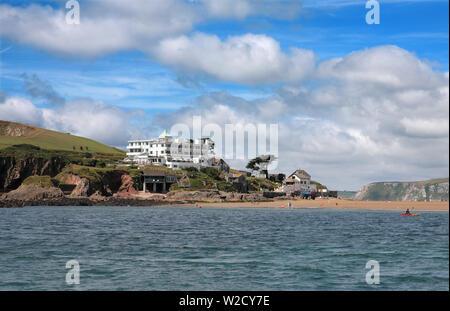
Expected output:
(428, 190)
(205, 179)
(41, 181)
(17, 162)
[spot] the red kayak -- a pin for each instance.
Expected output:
(405, 214)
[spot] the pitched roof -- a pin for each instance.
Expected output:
(300, 174)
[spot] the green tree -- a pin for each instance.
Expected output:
(261, 163)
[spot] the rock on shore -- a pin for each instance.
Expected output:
(33, 193)
(38, 196)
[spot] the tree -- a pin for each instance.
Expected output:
(261, 164)
(281, 177)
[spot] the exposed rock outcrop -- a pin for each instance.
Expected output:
(33, 193)
(107, 184)
(14, 171)
(127, 186)
(431, 190)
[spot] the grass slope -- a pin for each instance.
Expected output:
(50, 140)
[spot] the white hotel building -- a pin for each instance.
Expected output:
(173, 152)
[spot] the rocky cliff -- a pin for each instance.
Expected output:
(14, 170)
(429, 190)
(90, 181)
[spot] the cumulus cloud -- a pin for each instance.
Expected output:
(159, 28)
(426, 127)
(388, 66)
(19, 109)
(83, 117)
(248, 59)
(350, 129)
(106, 25)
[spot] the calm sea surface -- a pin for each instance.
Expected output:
(171, 248)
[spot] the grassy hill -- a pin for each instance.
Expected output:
(12, 133)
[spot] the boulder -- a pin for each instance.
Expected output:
(33, 192)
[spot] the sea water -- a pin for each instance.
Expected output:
(184, 248)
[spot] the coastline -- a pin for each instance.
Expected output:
(318, 203)
(340, 204)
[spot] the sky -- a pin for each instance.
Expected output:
(354, 102)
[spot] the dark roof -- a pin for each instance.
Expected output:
(155, 173)
(300, 174)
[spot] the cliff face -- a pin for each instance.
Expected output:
(14, 171)
(91, 181)
(431, 190)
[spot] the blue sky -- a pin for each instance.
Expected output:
(145, 82)
(324, 26)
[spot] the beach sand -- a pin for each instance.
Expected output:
(340, 203)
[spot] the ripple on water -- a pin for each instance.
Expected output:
(221, 249)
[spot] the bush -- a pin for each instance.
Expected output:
(101, 164)
(191, 169)
(211, 172)
(225, 187)
(42, 181)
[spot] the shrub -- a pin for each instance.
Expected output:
(42, 181)
(191, 169)
(211, 172)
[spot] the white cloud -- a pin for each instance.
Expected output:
(351, 129)
(426, 127)
(20, 110)
(388, 66)
(106, 25)
(158, 27)
(83, 117)
(248, 59)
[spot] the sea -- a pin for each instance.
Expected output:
(188, 248)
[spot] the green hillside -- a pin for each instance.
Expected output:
(12, 133)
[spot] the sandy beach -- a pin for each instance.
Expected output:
(341, 203)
